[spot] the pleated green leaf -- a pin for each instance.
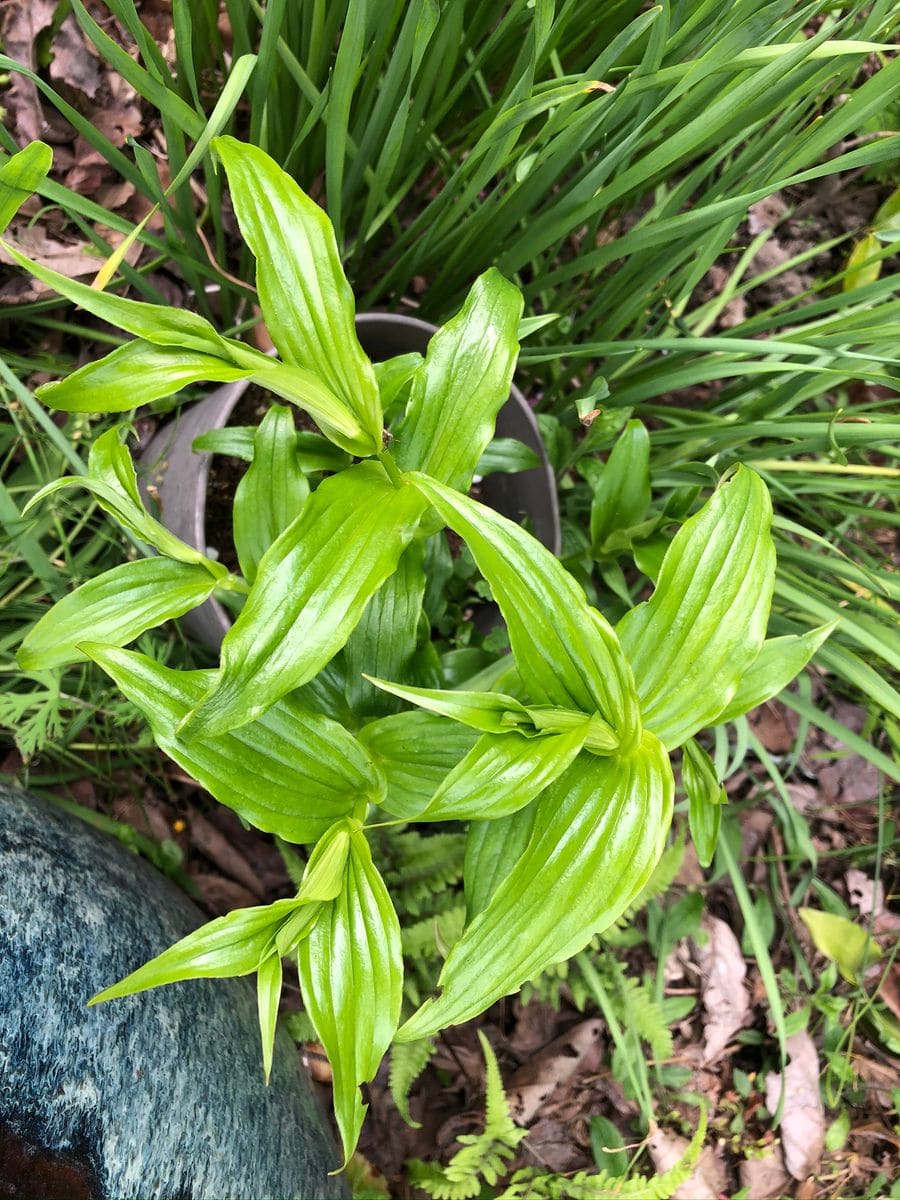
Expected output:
(502, 773)
(228, 946)
(272, 491)
(268, 994)
(351, 977)
(112, 482)
(490, 712)
(303, 292)
(703, 627)
(492, 850)
(136, 373)
(599, 831)
(705, 799)
(310, 591)
(566, 652)
(622, 495)
(779, 661)
(292, 772)
(114, 608)
(19, 176)
(414, 751)
(459, 389)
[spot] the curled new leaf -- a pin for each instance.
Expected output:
(622, 495)
(599, 831)
(704, 625)
(414, 751)
(705, 799)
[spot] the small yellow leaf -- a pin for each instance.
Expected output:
(843, 941)
(860, 268)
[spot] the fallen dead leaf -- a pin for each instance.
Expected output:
(534, 1082)
(725, 995)
(708, 1179)
(864, 893)
(75, 63)
(764, 1178)
(219, 850)
(23, 22)
(803, 1118)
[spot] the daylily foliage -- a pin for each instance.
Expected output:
(568, 785)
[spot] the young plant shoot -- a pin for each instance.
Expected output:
(572, 768)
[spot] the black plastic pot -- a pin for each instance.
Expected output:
(179, 477)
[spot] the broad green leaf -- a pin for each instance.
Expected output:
(599, 831)
(310, 592)
(114, 608)
(268, 995)
(622, 495)
(464, 381)
(323, 876)
(351, 977)
(492, 850)
(502, 773)
(228, 946)
(843, 942)
(414, 751)
(306, 389)
(136, 373)
(705, 799)
(566, 652)
(314, 452)
(506, 456)
(292, 772)
(691, 642)
(490, 712)
(19, 176)
(384, 642)
(393, 375)
(272, 491)
(779, 661)
(112, 482)
(304, 295)
(863, 264)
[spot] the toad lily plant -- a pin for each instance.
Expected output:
(326, 713)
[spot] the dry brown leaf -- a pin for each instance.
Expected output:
(880, 1077)
(708, 1179)
(725, 995)
(765, 1178)
(803, 1119)
(532, 1084)
(75, 61)
(219, 850)
(219, 895)
(23, 22)
(864, 893)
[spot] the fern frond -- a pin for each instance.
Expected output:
(420, 871)
(429, 940)
(408, 1061)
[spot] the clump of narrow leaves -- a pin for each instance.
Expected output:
(562, 770)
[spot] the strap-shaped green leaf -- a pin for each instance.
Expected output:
(567, 653)
(351, 976)
(459, 389)
(272, 491)
(384, 642)
(691, 642)
(779, 661)
(19, 176)
(490, 712)
(705, 799)
(136, 373)
(268, 994)
(414, 751)
(310, 592)
(228, 946)
(622, 496)
(303, 292)
(292, 772)
(502, 773)
(111, 480)
(599, 831)
(114, 608)
(492, 850)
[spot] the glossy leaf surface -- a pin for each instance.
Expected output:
(459, 389)
(351, 976)
(310, 592)
(306, 300)
(780, 660)
(704, 625)
(268, 995)
(622, 495)
(705, 799)
(565, 651)
(272, 491)
(486, 711)
(492, 850)
(19, 176)
(114, 608)
(414, 751)
(502, 773)
(292, 772)
(599, 831)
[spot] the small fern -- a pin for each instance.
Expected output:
(636, 1008)
(530, 1184)
(408, 1061)
(420, 871)
(484, 1156)
(428, 941)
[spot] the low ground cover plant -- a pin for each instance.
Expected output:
(559, 759)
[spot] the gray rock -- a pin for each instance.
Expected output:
(157, 1095)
